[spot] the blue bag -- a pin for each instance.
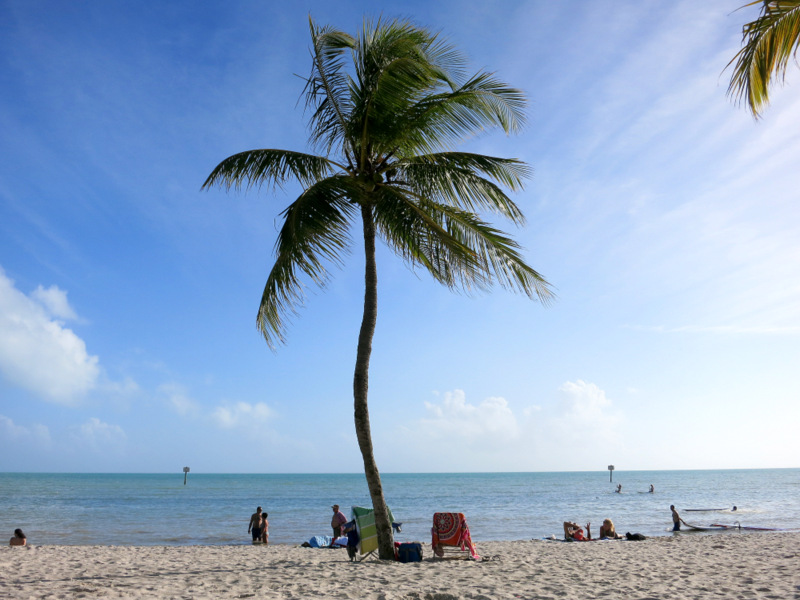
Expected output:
(409, 552)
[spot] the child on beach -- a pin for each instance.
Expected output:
(264, 529)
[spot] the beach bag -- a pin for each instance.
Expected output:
(409, 552)
(635, 537)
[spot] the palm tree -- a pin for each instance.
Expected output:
(767, 44)
(385, 130)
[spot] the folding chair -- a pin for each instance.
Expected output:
(367, 531)
(450, 537)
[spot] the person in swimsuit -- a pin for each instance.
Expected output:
(652, 488)
(264, 529)
(19, 539)
(255, 524)
(676, 519)
(607, 530)
(574, 533)
(619, 488)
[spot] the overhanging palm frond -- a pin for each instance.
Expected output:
(257, 167)
(767, 45)
(454, 178)
(315, 229)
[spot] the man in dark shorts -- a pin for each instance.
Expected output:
(676, 519)
(255, 524)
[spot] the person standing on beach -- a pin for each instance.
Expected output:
(337, 521)
(676, 519)
(264, 529)
(255, 524)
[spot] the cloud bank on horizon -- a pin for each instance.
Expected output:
(666, 218)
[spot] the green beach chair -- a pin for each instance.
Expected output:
(367, 531)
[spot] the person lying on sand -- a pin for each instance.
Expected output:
(574, 533)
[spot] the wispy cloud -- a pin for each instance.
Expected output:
(490, 422)
(10, 431)
(98, 435)
(177, 397)
(242, 414)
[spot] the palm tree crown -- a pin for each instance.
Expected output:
(385, 129)
(385, 125)
(767, 45)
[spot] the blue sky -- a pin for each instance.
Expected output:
(665, 217)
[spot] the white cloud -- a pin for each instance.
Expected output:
(242, 414)
(37, 352)
(178, 399)
(55, 301)
(9, 431)
(490, 421)
(585, 415)
(582, 401)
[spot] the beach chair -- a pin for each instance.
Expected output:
(450, 537)
(367, 531)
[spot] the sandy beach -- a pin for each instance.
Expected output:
(686, 566)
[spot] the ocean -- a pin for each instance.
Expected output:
(158, 509)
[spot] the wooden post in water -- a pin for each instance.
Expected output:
(185, 473)
(611, 473)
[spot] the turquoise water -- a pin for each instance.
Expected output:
(136, 509)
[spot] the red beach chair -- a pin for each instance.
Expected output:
(450, 535)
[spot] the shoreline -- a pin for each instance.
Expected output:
(745, 565)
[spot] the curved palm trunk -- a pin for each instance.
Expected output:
(361, 389)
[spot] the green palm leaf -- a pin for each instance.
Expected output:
(767, 45)
(315, 229)
(257, 167)
(454, 178)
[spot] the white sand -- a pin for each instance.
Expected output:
(687, 566)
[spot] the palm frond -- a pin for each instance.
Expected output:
(328, 87)
(454, 178)
(442, 119)
(455, 246)
(315, 230)
(421, 240)
(257, 167)
(498, 254)
(767, 45)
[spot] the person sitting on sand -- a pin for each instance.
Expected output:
(574, 533)
(607, 530)
(676, 519)
(264, 529)
(19, 539)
